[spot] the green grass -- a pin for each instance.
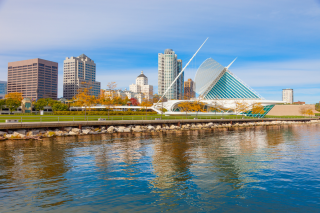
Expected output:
(56, 118)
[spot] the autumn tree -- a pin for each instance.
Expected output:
(145, 104)
(84, 99)
(185, 107)
(197, 106)
(241, 107)
(156, 98)
(14, 95)
(309, 112)
(134, 102)
(257, 108)
(13, 100)
(106, 100)
(303, 110)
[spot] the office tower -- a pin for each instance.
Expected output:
(189, 89)
(79, 72)
(34, 78)
(287, 95)
(168, 69)
(3, 89)
(142, 86)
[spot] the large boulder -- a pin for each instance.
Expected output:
(76, 130)
(86, 131)
(72, 133)
(110, 129)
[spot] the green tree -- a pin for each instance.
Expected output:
(2, 104)
(40, 104)
(60, 107)
(12, 103)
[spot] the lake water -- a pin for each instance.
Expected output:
(258, 170)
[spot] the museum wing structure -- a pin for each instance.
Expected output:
(220, 90)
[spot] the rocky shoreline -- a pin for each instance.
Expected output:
(37, 134)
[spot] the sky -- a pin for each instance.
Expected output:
(277, 42)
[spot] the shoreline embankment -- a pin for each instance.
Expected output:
(36, 130)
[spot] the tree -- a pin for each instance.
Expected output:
(185, 107)
(156, 98)
(2, 104)
(309, 112)
(303, 110)
(241, 107)
(12, 103)
(112, 85)
(257, 108)
(145, 104)
(15, 96)
(134, 102)
(84, 99)
(197, 106)
(60, 107)
(40, 104)
(106, 100)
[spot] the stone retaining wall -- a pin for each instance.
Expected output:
(85, 130)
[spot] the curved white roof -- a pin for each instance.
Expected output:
(208, 71)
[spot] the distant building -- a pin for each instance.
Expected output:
(189, 89)
(79, 72)
(34, 78)
(169, 67)
(142, 86)
(3, 89)
(299, 103)
(287, 95)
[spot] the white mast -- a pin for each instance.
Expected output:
(181, 71)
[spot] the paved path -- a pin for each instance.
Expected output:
(38, 125)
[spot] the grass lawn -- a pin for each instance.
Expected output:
(55, 118)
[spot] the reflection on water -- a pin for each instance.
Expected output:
(274, 169)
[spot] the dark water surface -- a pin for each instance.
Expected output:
(266, 170)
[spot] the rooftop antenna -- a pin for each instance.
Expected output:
(181, 72)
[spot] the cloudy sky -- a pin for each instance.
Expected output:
(277, 42)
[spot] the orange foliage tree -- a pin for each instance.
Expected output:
(84, 98)
(145, 104)
(257, 108)
(185, 107)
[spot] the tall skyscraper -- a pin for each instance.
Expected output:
(142, 86)
(189, 89)
(3, 89)
(79, 72)
(169, 68)
(287, 95)
(34, 78)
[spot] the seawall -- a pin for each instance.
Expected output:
(80, 124)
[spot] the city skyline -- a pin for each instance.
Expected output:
(276, 43)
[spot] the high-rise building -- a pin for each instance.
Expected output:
(79, 72)
(142, 86)
(3, 89)
(287, 95)
(189, 89)
(34, 78)
(169, 67)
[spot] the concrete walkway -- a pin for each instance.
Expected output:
(79, 124)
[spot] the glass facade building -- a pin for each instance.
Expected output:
(169, 67)
(3, 89)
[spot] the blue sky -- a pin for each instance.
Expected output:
(277, 42)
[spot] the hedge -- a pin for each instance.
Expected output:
(317, 114)
(102, 113)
